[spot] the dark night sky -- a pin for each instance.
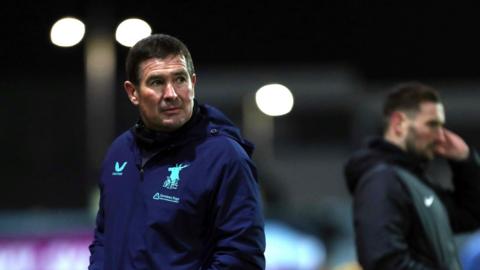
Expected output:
(42, 104)
(427, 39)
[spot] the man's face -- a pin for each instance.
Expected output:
(165, 93)
(425, 130)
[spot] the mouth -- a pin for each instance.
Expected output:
(171, 110)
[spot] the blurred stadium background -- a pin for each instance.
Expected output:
(337, 58)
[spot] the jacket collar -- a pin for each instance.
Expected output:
(148, 139)
(394, 155)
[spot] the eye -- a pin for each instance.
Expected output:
(180, 79)
(156, 82)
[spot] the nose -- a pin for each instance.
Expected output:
(169, 92)
(441, 135)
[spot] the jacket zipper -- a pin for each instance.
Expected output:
(141, 174)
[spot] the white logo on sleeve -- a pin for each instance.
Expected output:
(428, 201)
(119, 168)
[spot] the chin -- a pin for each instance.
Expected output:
(422, 155)
(172, 126)
(429, 156)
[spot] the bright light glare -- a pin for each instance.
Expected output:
(67, 32)
(274, 99)
(132, 30)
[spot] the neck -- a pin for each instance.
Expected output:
(393, 139)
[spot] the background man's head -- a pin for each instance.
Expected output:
(414, 118)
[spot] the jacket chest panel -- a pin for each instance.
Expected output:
(175, 193)
(119, 180)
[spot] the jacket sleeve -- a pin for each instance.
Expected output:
(382, 221)
(239, 226)
(96, 247)
(462, 204)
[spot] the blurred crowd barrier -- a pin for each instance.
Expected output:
(60, 240)
(46, 252)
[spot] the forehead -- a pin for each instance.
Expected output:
(431, 111)
(169, 63)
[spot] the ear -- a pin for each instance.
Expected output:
(194, 79)
(131, 91)
(399, 123)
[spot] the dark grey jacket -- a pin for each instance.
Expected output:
(390, 230)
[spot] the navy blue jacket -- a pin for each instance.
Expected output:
(192, 204)
(389, 232)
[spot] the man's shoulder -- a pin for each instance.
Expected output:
(382, 176)
(225, 146)
(122, 142)
(125, 137)
(382, 185)
(224, 142)
(380, 169)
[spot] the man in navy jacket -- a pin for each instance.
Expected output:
(179, 189)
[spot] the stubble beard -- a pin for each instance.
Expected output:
(410, 146)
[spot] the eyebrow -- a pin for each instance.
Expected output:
(162, 76)
(154, 77)
(180, 72)
(175, 73)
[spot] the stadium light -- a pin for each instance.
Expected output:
(274, 99)
(67, 32)
(132, 30)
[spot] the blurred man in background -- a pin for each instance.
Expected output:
(178, 190)
(403, 219)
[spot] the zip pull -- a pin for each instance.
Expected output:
(141, 174)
